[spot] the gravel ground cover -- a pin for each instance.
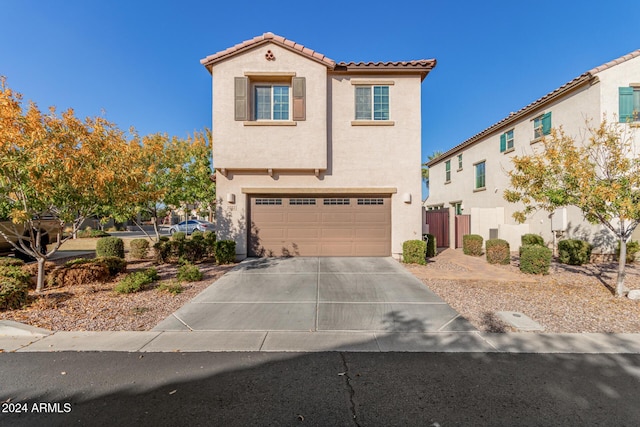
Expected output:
(97, 307)
(571, 299)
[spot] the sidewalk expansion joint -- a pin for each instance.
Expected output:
(183, 322)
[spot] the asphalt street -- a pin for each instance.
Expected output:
(319, 389)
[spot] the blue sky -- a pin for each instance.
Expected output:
(137, 62)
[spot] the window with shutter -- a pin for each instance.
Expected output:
(629, 104)
(506, 141)
(541, 126)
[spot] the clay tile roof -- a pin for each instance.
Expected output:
(553, 95)
(267, 38)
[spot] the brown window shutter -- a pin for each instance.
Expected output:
(299, 107)
(241, 98)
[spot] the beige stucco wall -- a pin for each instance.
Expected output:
(238, 145)
(348, 155)
(570, 112)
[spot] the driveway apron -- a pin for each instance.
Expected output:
(317, 294)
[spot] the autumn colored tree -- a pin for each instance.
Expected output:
(600, 175)
(60, 166)
(180, 174)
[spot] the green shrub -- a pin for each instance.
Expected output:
(179, 236)
(472, 244)
(137, 281)
(432, 246)
(532, 239)
(498, 251)
(210, 243)
(15, 272)
(197, 235)
(116, 265)
(161, 251)
(414, 252)
(163, 239)
(225, 251)
(189, 273)
(110, 246)
(138, 248)
(171, 286)
(11, 262)
(632, 249)
(574, 252)
(535, 259)
(193, 250)
(78, 272)
(13, 293)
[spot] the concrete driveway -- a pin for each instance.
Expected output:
(317, 294)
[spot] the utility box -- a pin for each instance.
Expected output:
(559, 220)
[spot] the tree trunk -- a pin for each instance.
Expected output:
(622, 259)
(40, 280)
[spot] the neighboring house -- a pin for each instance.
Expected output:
(314, 157)
(468, 181)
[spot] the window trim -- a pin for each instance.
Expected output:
(447, 171)
(475, 176)
(459, 162)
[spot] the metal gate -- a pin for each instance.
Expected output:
(438, 221)
(463, 227)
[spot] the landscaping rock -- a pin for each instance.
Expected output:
(634, 294)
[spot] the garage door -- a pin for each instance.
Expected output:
(320, 226)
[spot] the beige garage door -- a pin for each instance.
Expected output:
(320, 226)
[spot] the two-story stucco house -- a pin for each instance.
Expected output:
(470, 178)
(314, 157)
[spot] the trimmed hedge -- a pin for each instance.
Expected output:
(225, 251)
(414, 252)
(15, 272)
(632, 249)
(574, 252)
(472, 244)
(498, 251)
(179, 236)
(116, 265)
(535, 259)
(432, 246)
(110, 246)
(138, 248)
(13, 293)
(531, 239)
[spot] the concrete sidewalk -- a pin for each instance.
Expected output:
(20, 338)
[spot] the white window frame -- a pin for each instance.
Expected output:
(272, 100)
(510, 141)
(475, 175)
(371, 89)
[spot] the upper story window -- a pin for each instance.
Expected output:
(541, 126)
(447, 171)
(269, 98)
(271, 102)
(372, 103)
(480, 176)
(506, 141)
(629, 103)
(459, 162)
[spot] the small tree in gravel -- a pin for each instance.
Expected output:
(601, 176)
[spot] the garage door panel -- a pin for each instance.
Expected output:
(303, 233)
(269, 217)
(298, 226)
(304, 217)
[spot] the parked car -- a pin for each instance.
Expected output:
(49, 227)
(191, 225)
